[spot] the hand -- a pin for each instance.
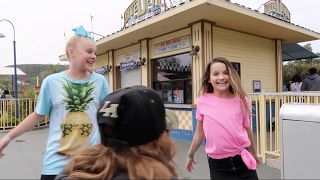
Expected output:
(3, 143)
(256, 157)
(189, 165)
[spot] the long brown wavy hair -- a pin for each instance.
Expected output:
(153, 160)
(234, 79)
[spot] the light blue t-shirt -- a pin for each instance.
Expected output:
(73, 106)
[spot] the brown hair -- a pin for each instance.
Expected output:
(153, 160)
(234, 79)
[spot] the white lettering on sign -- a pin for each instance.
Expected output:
(173, 3)
(142, 9)
(127, 65)
(277, 9)
(172, 45)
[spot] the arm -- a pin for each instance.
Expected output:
(247, 126)
(303, 86)
(252, 147)
(288, 86)
(28, 123)
(197, 138)
(44, 105)
(196, 142)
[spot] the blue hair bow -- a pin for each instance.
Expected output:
(82, 32)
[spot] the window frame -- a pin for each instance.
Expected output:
(171, 82)
(239, 64)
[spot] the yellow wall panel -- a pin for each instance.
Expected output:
(102, 60)
(125, 50)
(256, 55)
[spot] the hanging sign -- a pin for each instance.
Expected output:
(172, 45)
(128, 60)
(127, 65)
(277, 9)
(256, 86)
(101, 70)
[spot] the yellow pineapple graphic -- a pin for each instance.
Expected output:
(76, 126)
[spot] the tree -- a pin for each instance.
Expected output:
(52, 69)
(300, 66)
(5, 84)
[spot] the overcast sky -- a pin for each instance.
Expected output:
(40, 24)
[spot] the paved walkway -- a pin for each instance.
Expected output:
(24, 155)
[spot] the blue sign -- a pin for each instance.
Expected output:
(101, 70)
(126, 65)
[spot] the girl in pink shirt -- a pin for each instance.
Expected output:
(223, 119)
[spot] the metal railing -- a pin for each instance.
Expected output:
(9, 118)
(265, 118)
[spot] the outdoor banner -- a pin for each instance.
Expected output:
(140, 10)
(172, 45)
(128, 60)
(277, 9)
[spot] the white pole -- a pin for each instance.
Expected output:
(92, 26)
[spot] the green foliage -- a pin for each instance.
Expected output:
(29, 92)
(35, 70)
(25, 105)
(8, 114)
(5, 83)
(300, 67)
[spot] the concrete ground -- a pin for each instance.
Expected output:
(24, 155)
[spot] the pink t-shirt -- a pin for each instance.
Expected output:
(223, 125)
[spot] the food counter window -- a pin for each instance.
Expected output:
(172, 78)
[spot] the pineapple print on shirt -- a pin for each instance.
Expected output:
(76, 126)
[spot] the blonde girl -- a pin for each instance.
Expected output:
(71, 98)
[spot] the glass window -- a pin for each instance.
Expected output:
(172, 78)
(172, 67)
(236, 66)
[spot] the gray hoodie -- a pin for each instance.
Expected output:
(311, 83)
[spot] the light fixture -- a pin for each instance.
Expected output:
(14, 65)
(142, 61)
(194, 50)
(109, 67)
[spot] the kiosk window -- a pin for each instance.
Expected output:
(236, 66)
(172, 78)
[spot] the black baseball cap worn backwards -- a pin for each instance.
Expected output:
(136, 116)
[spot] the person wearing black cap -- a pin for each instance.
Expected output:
(135, 139)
